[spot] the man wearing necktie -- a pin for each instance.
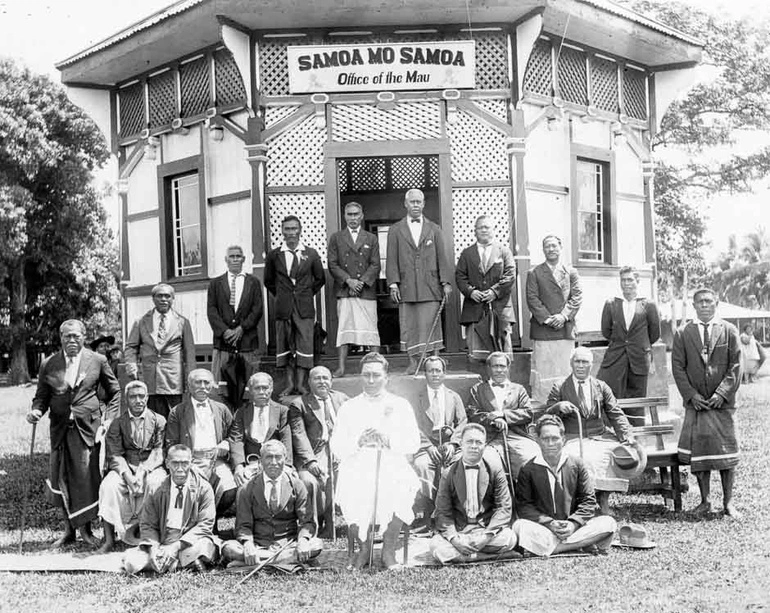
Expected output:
(161, 341)
(354, 263)
(705, 362)
(485, 275)
(555, 500)
(312, 417)
(294, 274)
(473, 506)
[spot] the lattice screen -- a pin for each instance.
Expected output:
(296, 156)
(132, 120)
(571, 76)
(478, 151)
(196, 87)
(162, 95)
(274, 114)
(604, 84)
(311, 210)
(387, 174)
(274, 64)
(538, 78)
(635, 93)
(498, 108)
(227, 77)
(491, 60)
(468, 204)
(362, 122)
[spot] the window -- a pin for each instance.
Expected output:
(592, 189)
(186, 224)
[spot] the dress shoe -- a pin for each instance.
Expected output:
(198, 566)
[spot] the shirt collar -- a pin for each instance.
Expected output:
(236, 275)
(267, 480)
(138, 417)
(539, 459)
(576, 381)
(411, 220)
(703, 323)
(503, 385)
(439, 389)
(298, 249)
(75, 357)
(197, 403)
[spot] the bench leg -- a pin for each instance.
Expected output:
(676, 485)
(407, 530)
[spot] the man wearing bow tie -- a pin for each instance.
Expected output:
(162, 342)
(473, 506)
(67, 385)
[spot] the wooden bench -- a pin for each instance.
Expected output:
(642, 413)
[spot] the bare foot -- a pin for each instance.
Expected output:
(66, 539)
(731, 511)
(702, 508)
(89, 539)
(340, 372)
(105, 548)
(302, 390)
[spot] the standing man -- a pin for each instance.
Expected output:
(234, 311)
(631, 325)
(705, 362)
(484, 275)
(162, 341)
(554, 297)
(354, 262)
(418, 275)
(294, 275)
(67, 385)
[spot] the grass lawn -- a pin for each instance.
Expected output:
(704, 565)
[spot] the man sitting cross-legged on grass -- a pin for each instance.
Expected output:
(273, 509)
(177, 521)
(473, 507)
(555, 500)
(135, 455)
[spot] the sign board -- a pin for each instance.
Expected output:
(382, 67)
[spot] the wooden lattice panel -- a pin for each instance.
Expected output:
(274, 114)
(604, 84)
(635, 93)
(227, 77)
(311, 210)
(274, 63)
(196, 87)
(498, 108)
(538, 78)
(132, 119)
(478, 151)
(388, 174)
(296, 156)
(468, 204)
(162, 96)
(491, 60)
(571, 76)
(364, 122)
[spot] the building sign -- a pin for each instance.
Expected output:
(382, 67)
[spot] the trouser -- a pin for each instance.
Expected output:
(445, 552)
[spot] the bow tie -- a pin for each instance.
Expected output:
(469, 467)
(415, 220)
(201, 405)
(498, 385)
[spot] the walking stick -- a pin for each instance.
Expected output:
(370, 536)
(329, 511)
(580, 431)
(430, 336)
(26, 490)
(507, 457)
(268, 561)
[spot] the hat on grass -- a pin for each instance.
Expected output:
(634, 536)
(629, 460)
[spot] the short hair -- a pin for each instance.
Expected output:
(480, 217)
(233, 247)
(471, 428)
(255, 376)
(289, 218)
(163, 286)
(414, 190)
(748, 327)
(703, 290)
(178, 448)
(625, 270)
(196, 372)
(434, 358)
(551, 236)
(374, 358)
(584, 351)
(355, 204)
(135, 383)
(68, 323)
(498, 354)
(317, 368)
(273, 445)
(549, 420)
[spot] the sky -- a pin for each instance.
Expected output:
(41, 33)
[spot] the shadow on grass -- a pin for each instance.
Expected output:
(16, 471)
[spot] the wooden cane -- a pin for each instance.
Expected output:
(374, 510)
(507, 457)
(329, 511)
(430, 336)
(268, 561)
(26, 490)
(580, 431)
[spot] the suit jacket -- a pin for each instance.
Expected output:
(306, 429)
(516, 410)
(548, 296)
(498, 276)
(421, 269)
(495, 505)
(454, 417)
(359, 260)
(123, 454)
(604, 412)
(241, 443)
(181, 423)
(54, 393)
(164, 368)
(310, 280)
(247, 314)
(720, 374)
(535, 502)
(634, 342)
(198, 513)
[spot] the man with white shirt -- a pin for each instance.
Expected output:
(257, 421)
(473, 506)
(294, 274)
(162, 342)
(354, 263)
(631, 324)
(203, 425)
(312, 417)
(419, 275)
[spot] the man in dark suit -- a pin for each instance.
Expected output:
(203, 425)
(484, 275)
(354, 262)
(631, 325)
(473, 506)
(312, 417)
(234, 308)
(555, 500)
(554, 297)
(135, 454)
(162, 342)
(273, 509)
(67, 385)
(705, 362)
(419, 275)
(294, 274)
(257, 421)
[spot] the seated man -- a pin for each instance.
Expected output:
(134, 445)
(555, 500)
(273, 509)
(312, 417)
(256, 422)
(177, 521)
(597, 406)
(504, 409)
(440, 416)
(473, 506)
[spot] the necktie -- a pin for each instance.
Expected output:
(294, 264)
(179, 497)
(435, 410)
(137, 431)
(162, 328)
(329, 413)
(706, 339)
(274, 496)
(69, 373)
(582, 398)
(558, 498)
(354, 235)
(232, 290)
(484, 257)
(262, 424)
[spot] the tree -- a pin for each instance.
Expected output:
(742, 274)
(57, 255)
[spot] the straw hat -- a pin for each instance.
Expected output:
(634, 536)
(629, 460)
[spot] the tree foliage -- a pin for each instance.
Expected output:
(57, 256)
(742, 274)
